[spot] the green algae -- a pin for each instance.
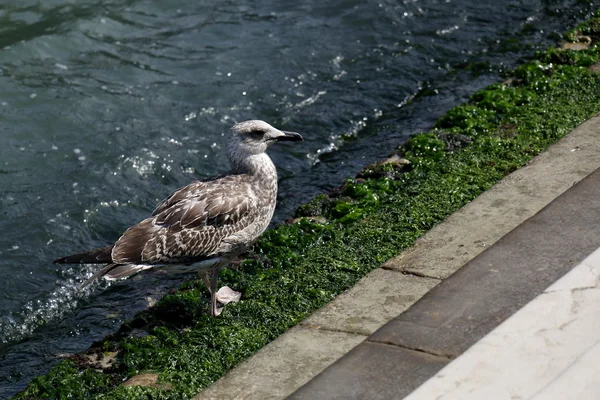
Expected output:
(590, 28)
(339, 237)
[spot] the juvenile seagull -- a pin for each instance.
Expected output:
(206, 223)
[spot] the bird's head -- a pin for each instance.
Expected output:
(254, 137)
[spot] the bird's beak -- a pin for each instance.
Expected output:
(289, 137)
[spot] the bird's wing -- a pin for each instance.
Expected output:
(190, 224)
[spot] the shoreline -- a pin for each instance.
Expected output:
(337, 238)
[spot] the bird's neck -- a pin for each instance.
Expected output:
(259, 165)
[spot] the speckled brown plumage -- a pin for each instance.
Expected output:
(200, 221)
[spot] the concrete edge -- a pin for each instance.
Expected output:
(388, 291)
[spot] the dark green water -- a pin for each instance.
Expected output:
(106, 107)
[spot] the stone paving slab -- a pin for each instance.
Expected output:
(549, 349)
(373, 301)
(373, 371)
(501, 280)
(304, 351)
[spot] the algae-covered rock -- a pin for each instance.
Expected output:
(454, 141)
(392, 168)
(314, 208)
(147, 380)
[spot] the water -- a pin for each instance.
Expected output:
(106, 107)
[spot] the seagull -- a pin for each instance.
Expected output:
(206, 224)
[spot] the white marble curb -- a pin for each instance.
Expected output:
(549, 349)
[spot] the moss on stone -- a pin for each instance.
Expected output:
(298, 267)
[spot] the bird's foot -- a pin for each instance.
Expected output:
(227, 295)
(224, 296)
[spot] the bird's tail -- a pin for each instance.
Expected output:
(95, 256)
(102, 256)
(116, 271)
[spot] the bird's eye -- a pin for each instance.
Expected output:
(257, 133)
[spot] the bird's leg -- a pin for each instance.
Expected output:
(206, 278)
(214, 281)
(218, 299)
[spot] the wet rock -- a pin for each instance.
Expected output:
(314, 208)
(392, 168)
(147, 380)
(595, 68)
(582, 42)
(313, 218)
(575, 46)
(151, 301)
(507, 131)
(454, 141)
(95, 358)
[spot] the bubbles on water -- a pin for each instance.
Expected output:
(204, 111)
(337, 67)
(339, 75)
(103, 204)
(336, 140)
(142, 165)
(310, 100)
(79, 154)
(33, 95)
(112, 203)
(64, 298)
(411, 96)
(441, 32)
(172, 141)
